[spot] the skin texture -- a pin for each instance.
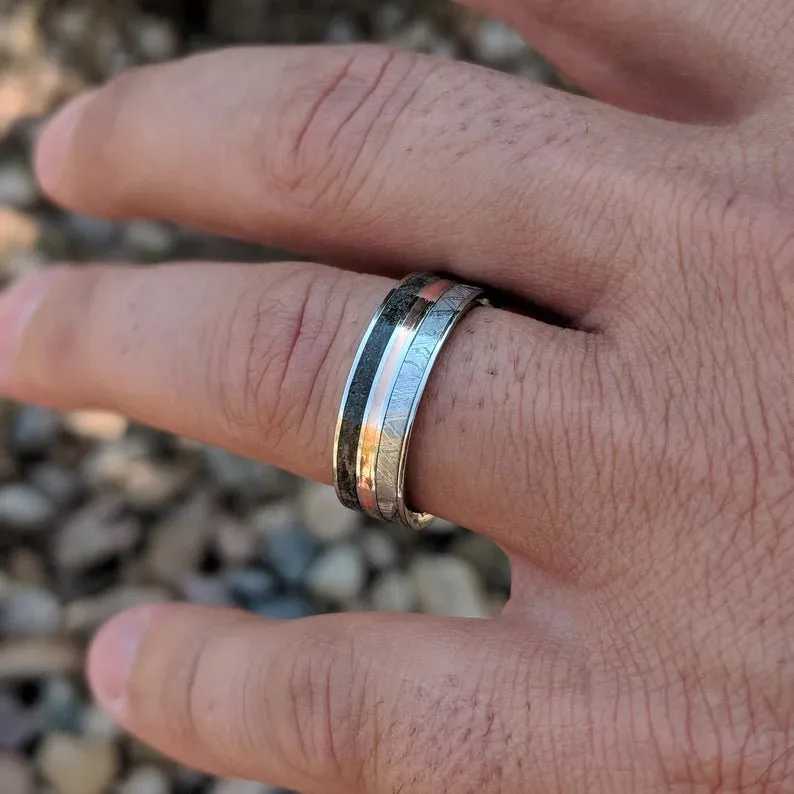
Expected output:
(637, 464)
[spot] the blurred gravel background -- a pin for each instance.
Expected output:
(96, 514)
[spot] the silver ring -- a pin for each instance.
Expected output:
(383, 393)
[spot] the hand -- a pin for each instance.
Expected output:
(637, 463)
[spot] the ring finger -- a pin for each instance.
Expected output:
(254, 358)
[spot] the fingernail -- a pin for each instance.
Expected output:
(52, 149)
(18, 304)
(113, 657)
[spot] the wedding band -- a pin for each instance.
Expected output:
(383, 392)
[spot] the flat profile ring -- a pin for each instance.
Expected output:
(383, 391)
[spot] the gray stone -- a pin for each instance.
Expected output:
(275, 517)
(234, 541)
(250, 586)
(149, 239)
(88, 614)
(92, 234)
(250, 479)
(156, 40)
(394, 591)
(18, 724)
(60, 484)
(61, 706)
(339, 574)
(95, 534)
(449, 586)
(24, 509)
(29, 611)
(152, 485)
(17, 186)
(290, 552)
(205, 590)
(286, 608)
(179, 541)
(15, 774)
(38, 657)
(145, 780)
(230, 786)
(97, 724)
(33, 430)
(75, 765)
(497, 43)
(324, 516)
(380, 549)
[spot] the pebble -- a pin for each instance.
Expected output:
(486, 557)
(93, 234)
(449, 586)
(286, 608)
(290, 552)
(108, 465)
(380, 550)
(205, 590)
(96, 425)
(60, 484)
(155, 39)
(33, 430)
(27, 611)
(497, 43)
(275, 517)
(179, 541)
(394, 591)
(23, 509)
(150, 240)
(18, 234)
(96, 724)
(250, 587)
(230, 786)
(339, 574)
(250, 479)
(95, 534)
(17, 186)
(74, 765)
(324, 516)
(233, 541)
(145, 780)
(61, 706)
(152, 485)
(86, 615)
(18, 725)
(37, 657)
(15, 774)
(26, 567)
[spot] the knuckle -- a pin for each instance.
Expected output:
(326, 695)
(271, 367)
(339, 121)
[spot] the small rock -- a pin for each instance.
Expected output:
(239, 20)
(33, 430)
(96, 425)
(342, 30)
(88, 614)
(37, 657)
(380, 550)
(285, 608)
(230, 786)
(24, 509)
(449, 586)
(15, 774)
(73, 765)
(17, 186)
(388, 18)
(155, 38)
(394, 591)
(205, 590)
(339, 574)
(151, 485)
(95, 534)
(145, 780)
(275, 517)
(26, 567)
(108, 465)
(486, 557)
(324, 516)
(19, 232)
(497, 43)
(95, 235)
(234, 542)
(251, 586)
(27, 611)
(149, 239)
(179, 541)
(58, 483)
(18, 725)
(61, 706)
(249, 479)
(439, 526)
(290, 552)
(96, 724)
